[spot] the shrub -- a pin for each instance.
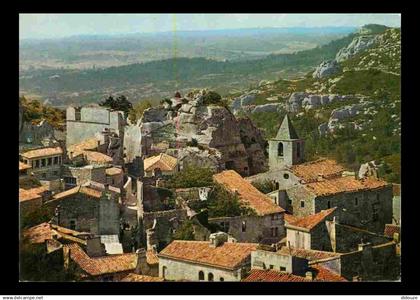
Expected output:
(191, 177)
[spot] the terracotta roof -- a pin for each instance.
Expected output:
(43, 152)
(78, 189)
(102, 265)
(88, 144)
(288, 218)
(309, 222)
(97, 157)
(308, 254)
(310, 171)
(273, 276)
(324, 274)
(343, 185)
(152, 257)
(39, 233)
(45, 231)
(390, 229)
(23, 166)
(228, 255)
(113, 171)
(132, 277)
(248, 194)
(162, 161)
(31, 194)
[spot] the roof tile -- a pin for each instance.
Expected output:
(248, 194)
(43, 152)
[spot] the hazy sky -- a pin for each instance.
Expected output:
(61, 25)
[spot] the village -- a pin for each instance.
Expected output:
(124, 207)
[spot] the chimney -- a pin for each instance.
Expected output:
(217, 239)
(309, 275)
(94, 247)
(142, 267)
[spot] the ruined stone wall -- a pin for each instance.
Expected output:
(257, 228)
(35, 133)
(179, 270)
(372, 263)
(93, 120)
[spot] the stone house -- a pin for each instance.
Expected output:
(87, 209)
(267, 226)
(31, 199)
(24, 170)
(104, 268)
(310, 232)
(160, 165)
(362, 203)
(85, 122)
(367, 263)
(217, 260)
(267, 259)
(46, 162)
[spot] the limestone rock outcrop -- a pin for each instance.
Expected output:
(326, 69)
(358, 44)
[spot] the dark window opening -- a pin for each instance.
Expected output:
(356, 201)
(271, 267)
(43, 162)
(201, 275)
(283, 269)
(222, 279)
(55, 160)
(302, 203)
(243, 226)
(37, 164)
(230, 165)
(329, 204)
(50, 161)
(72, 224)
(211, 277)
(277, 185)
(77, 114)
(298, 150)
(280, 149)
(286, 176)
(164, 271)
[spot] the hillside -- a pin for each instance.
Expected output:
(353, 115)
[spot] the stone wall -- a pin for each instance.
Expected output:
(93, 120)
(180, 270)
(86, 173)
(360, 212)
(252, 229)
(262, 260)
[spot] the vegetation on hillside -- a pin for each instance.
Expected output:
(35, 112)
(191, 177)
(136, 112)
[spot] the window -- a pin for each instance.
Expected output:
(289, 201)
(246, 169)
(243, 226)
(264, 266)
(50, 161)
(55, 173)
(298, 150)
(43, 162)
(222, 279)
(286, 176)
(164, 271)
(356, 201)
(55, 160)
(37, 164)
(302, 203)
(282, 269)
(274, 217)
(211, 277)
(280, 149)
(329, 204)
(271, 267)
(70, 180)
(277, 185)
(201, 275)
(77, 114)
(73, 224)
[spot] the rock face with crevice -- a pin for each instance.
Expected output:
(224, 141)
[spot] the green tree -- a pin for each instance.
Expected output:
(191, 177)
(212, 97)
(120, 103)
(265, 186)
(185, 231)
(136, 112)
